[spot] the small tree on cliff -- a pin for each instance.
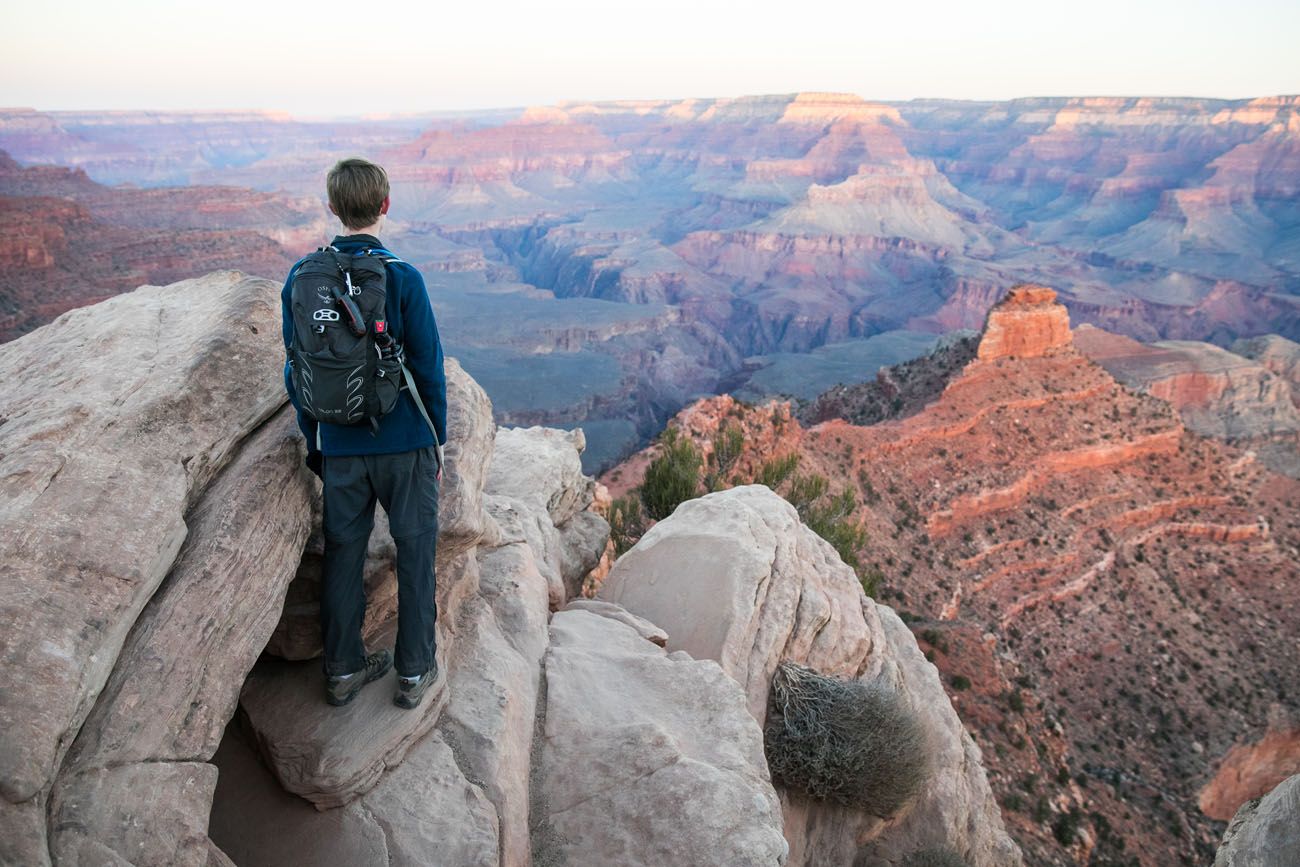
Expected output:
(673, 477)
(830, 517)
(626, 523)
(777, 470)
(728, 445)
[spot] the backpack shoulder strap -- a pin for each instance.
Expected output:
(386, 255)
(419, 404)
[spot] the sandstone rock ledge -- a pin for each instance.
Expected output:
(155, 522)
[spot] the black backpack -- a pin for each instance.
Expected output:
(345, 366)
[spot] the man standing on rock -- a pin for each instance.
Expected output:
(391, 454)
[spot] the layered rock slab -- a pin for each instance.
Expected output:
(736, 577)
(646, 757)
(115, 418)
(138, 762)
(424, 812)
(330, 755)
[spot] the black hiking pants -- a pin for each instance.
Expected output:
(406, 485)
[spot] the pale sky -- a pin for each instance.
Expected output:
(333, 57)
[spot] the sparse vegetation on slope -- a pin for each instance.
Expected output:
(680, 472)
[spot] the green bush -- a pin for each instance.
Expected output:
(774, 472)
(626, 523)
(940, 856)
(832, 519)
(728, 446)
(804, 490)
(871, 579)
(673, 477)
(854, 743)
(1066, 827)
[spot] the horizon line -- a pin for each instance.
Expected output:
(426, 112)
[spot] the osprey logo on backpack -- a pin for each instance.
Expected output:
(341, 372)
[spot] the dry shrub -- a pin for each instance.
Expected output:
(858, 744)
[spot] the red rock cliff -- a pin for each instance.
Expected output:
(1027, 323)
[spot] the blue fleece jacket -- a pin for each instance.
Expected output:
(410, 321)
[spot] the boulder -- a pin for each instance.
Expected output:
(138, 760)
(735, 577)
(582, 544)
(542, 466)
(646, 757)
(462, 522)
(1266, 831)
(115, 417)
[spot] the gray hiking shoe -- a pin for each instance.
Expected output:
(342, 688)
(411, 689)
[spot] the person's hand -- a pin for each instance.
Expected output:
(316, 462)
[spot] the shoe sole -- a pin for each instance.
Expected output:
(340, 702)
